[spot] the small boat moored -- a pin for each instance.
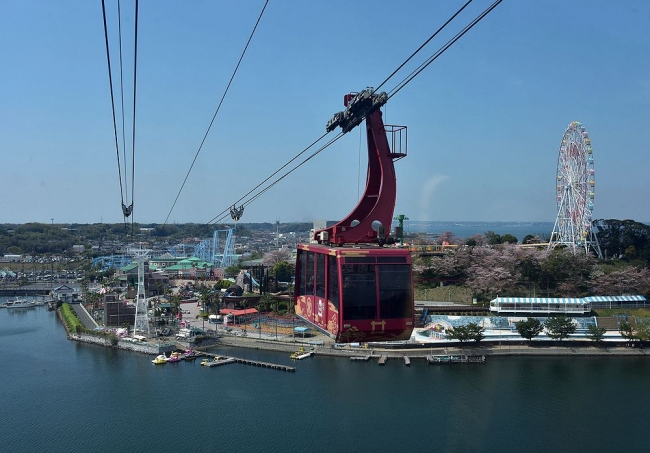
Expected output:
(159, 360)
(19, 303)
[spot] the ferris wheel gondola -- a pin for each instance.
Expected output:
(575, 192)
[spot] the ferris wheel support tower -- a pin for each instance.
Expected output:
(575, 193)
(141, 323)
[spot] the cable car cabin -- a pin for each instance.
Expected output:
(355, 293)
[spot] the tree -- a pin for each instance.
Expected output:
(529, 328)
(493, 238)
(276, 256)
(595, 333)
(470, 331)
(476, 332)
(283, 271)
(460, 333)
(509, 239)
(627, 331)
(559, 327)
(643, 329)
(232, 271)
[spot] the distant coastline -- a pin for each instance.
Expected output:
(469, 228)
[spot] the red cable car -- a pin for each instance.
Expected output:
(353, 283)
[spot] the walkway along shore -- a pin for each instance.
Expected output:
(416, 353)
(422, 352)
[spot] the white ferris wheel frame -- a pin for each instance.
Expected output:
(575, 192)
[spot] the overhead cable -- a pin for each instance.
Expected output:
(205, 136)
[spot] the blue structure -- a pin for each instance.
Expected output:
(105, 263)
(563, 305)
(541, 305)
(220, 250)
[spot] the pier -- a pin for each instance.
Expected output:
(213, 363)
(443, 359)
(382, 360)
(274, 366)
(356, 358)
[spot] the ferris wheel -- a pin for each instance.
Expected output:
(575, 188)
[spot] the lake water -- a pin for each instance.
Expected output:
(468, 229)
(62, 396)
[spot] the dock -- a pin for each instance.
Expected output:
(382, 360)
(301, 354)
(212, 363)
(407, 360)
(258, 363)
(444, 359)
(356, 358)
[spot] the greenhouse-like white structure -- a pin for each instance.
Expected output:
(563, 305)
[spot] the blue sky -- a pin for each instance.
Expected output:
(485, 120)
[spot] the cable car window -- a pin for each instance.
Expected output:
(333, 282)
(309, 274)
(359, 291)
(360, 259)
(395, 291)
(301, 272)
(391, 259)
(320, 275)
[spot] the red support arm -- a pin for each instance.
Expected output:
(378, 202)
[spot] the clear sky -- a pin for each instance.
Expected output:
(485, 120)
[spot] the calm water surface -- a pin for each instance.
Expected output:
(62, 396)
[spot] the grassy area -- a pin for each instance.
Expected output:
(639, 312)
(70, 318)
(451, 293)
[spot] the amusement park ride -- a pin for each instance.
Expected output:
(348, 284)
(576, 184)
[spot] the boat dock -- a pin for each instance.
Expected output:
(407, 360)
(274, 366)
(356, 358)
(443, 359)
(211, 363)
(382, 360)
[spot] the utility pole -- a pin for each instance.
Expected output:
(399, 230)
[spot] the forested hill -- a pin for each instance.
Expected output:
(623, 239)
(39, 238)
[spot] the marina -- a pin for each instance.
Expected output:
(445, 359)
(329, 389)
(257, 363)
(217, 361)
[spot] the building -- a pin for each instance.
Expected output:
(562, 305)
(117, 313)
(65, 293)
(155, 283)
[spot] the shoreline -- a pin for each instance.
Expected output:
(422, 352)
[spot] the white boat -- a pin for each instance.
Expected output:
(19, 303)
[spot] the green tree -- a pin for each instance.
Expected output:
(460, 333)
(559, 327)
(232, 271)
(493, 238)
(476, 332)
(283, 271)
(529, 328)
(627, 331)
(596, 333)
(509, 239)
(470, 331)
(642, 329)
